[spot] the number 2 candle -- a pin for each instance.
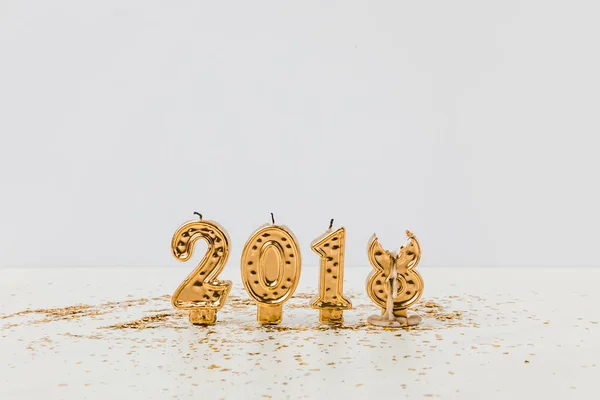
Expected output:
(330, 301)
(201, 292)
(271, 269)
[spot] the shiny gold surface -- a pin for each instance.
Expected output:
(201, 292)
(394, 284)
(271, 266)
(330, 300)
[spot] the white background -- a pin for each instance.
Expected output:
(474, 124)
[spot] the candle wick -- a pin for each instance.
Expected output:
(330, 223)
(273, 218)
(392, 291)
(198, 214)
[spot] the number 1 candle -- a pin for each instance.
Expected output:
(271, 269)
(330, 301)
(201, 292)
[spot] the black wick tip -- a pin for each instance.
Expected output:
(331, 223)
(273, 218)
(198, 214)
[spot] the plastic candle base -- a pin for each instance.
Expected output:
(203, 317)
(331, 316)
(394, 321)
(269, 315)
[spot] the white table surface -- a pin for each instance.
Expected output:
(521, 333)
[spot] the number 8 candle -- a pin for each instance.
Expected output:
(394, 284)
(271, 269)
(330, 301)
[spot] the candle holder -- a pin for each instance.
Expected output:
(394, 284)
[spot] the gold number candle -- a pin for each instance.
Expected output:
(330, 300)
(271, 269)
(394, 284)
(201, 292)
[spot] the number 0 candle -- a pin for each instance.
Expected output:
(330, 300)
(271, 269)
(201, 292)
(394, 284)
